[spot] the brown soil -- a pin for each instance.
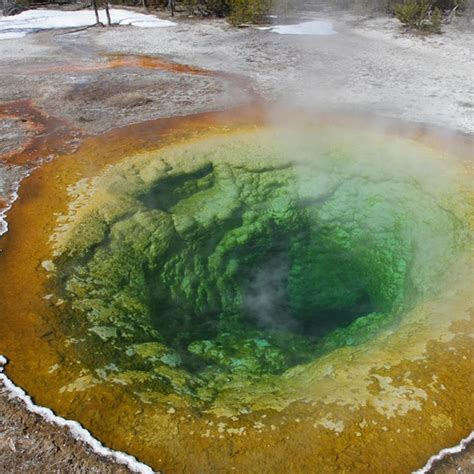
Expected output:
(13, 135)
(460, 463)
(29, 444)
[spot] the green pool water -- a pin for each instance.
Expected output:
(225, 262)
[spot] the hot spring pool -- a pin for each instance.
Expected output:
(259, 298)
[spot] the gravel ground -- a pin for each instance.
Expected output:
(461, 463)
(368, 66)
(29, 445)
(13, 134)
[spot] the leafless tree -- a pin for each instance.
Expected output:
(171, 5)
(107, 12)
(97, 20)
(10, 8)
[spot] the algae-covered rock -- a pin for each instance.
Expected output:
(251, 356)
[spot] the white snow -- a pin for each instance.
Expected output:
(77, 431)
(12, 34)
(314, 28)
(29, 21)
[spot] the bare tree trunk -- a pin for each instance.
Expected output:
(171, 6)
(107, 12)
(469, 11)
(94, 2)
(145, 4)
(5, 7)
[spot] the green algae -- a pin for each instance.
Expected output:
(236, 258)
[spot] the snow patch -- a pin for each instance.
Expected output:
(76, 430)
(12, 34)
(30, 21)
(312, 28)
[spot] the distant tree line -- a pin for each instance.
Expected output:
(419, 14)
(426, 15)
(429, 15)
(423, 15)
(238, 11)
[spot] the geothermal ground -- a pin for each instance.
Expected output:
(60, 87)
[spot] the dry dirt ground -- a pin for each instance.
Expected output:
(28, 445)
(461, 463)
(370, 65)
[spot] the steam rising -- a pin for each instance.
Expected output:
(266, 298)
